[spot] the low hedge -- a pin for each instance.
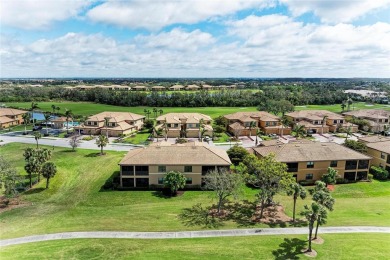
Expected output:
(379, 173)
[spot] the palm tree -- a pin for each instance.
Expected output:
(101, 142)
(48, 171)
(349, 103)
(161, 111)
(145, 111)
(155, 112)
(37, 136)
(148, 113)
(348, 131)
(106, 121)
(323, 123)
(165, 129)
(343, 106)
(201, 126)
(311, 214)
(58, 109)
(26, 118)
(68, 114)
(297, 191)
(157, 132)
(299, 130)
(285, 122)
(258, 132)
(53, 107)
(33, 107)
(47, 119)
(251, 126)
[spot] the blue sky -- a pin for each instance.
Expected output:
(195, 38)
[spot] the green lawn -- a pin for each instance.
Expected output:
(75, 202)
(336, 246)
(139, 138)
(86, 109)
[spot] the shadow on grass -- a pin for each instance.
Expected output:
(33, 191)
(93, 155)
(298, 223)
(241, 212)
(198, 215)
(68, 151)
(112, 183)
(289, 249)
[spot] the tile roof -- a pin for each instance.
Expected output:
(194, 153)
(380, 146)
(314, 114)
(11, 112)
(312, 151)
(264, 116)
(189, 117)
(374, 139)
(4, 119)
(116, 116)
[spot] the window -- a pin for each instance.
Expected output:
(292, 167)
(350, 165)
(176, 125)
(333, 163)
(361, 175)
(128, 182)
(160, 180)
(310, 165)
(189, 181)
(363, 164)
(388, 159)
(206, 169)
(383, 155)
(334, 121)
(187, 168)
(309, 176)
(127, 170)
(141, 170)
(162, 168)
(341, 121)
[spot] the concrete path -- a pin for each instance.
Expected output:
(62, 142)
(192, 234)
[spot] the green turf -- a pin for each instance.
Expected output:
(75, 202)
(336, 246)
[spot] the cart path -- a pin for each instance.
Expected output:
(192, 234)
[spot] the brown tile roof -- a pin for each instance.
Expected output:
(194, 153)
(313, 151)
(116, 116)
(310, 125)
(120, 126)
(374, 139)
(174, 118)
(369, 113)
(11, 112)
(192, 87)
(236, 126)
(314, 114)
(157, 87)
(4, 119)
(59, 119)
(380, 146)
(177, 87)
(264, 116)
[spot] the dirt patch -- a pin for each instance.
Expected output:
(331, 187)
(313, 253)
(271, 215)
(9, 204)
(318, 241)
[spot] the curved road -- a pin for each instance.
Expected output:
(191, 234)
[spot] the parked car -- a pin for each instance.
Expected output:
(37, 127)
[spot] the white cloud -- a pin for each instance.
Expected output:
(268, 46)
(38, 14)
(160, 13)
(334, 11)
(177, 39)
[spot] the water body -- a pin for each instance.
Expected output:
(40, 116)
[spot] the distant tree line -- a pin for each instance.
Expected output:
(296, 95)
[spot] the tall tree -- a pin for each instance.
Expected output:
(224, 184)
(311, 213)
(285, 122)
(296, 191)
(330, 176)
(201, 128)
(237, 154)
(102, 142)
(174, 180)
(48, 171)
(8, 178)
(160, 111)
(47, 118)
(323, 124)
(53, 108)
(26, 119)
(267, 174)
(252, 125)
(58, 109)
(74, 142)
(37, 136)
(343, 106)
(299, 130)
(68, 115)
(106, 122)
(155, 112)
(34, 106)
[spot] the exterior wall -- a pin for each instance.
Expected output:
(376, 158)
(333, 128)
(6, 125)
(321, 167)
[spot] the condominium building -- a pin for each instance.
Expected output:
(378, 147)
(11, 117)
(185, 125)
(377, 118)
(119, 123)
(147, 166)
(239, 123)
(320, 121)
(310, 160)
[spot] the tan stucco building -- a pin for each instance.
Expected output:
(11, 117)
(147, 166)
(378, 147)
(310, 160)
(118, 123)
(185, 125)
(377, 118)
(313, 121)
(239, 123)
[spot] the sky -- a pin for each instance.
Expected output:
(194, 38)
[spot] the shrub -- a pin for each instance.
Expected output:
(307, 182)
(341, 180)
(237, 154)
(370, 177)
(219, 129)
(148, 123)
(379, 173)
(88, 138)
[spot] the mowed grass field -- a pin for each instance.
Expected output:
(87, 109)
(336, 246)
(75, 201)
